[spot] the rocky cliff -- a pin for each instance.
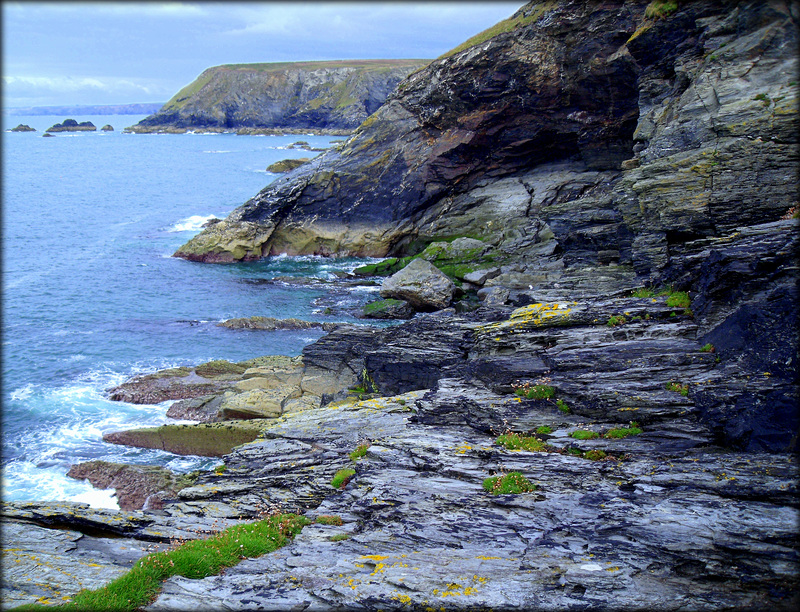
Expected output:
(337, 95)
(616, 183)
(532, 136)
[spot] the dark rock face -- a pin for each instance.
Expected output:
(299, 95)
(70, 125)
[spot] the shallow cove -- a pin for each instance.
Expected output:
(92, 296)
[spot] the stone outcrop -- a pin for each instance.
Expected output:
(299, 96)
(70, 125)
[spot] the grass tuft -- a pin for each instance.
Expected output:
(195, 559)
(513, 482)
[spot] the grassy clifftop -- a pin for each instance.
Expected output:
(311, 94)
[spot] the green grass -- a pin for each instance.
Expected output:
(584, 434)
(360, 451)
(513, 482)
(329, 519)
(678, 299)
(194, 559)
(622, 432)
(535, 392)
(339, 537)
(342, 477)
(678, 388)
(513, 441)
(594, 455)
(615, 320)
(517, 20)
(544, 429)
(562, 406)
(707, 348)
(660, 9)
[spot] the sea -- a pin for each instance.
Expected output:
(91, 295)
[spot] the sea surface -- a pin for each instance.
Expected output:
(91, 295)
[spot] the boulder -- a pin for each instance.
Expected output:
(107, 128)
(387, 309)
(420, 284)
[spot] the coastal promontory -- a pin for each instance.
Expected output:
(328, 96)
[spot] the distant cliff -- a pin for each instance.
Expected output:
(300, 95)
(105, 109)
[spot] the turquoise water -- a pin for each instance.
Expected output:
(92, 296)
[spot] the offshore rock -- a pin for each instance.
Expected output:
(420, 284)
(107, 128)
(70, 125)
(283, 97)
(22, 127)
(272, 324)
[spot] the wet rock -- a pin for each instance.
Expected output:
(136, 486)
(420, 284)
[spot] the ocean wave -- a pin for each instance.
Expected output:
(191, 224)
(26, 481)
(215, 151)
(23, 393)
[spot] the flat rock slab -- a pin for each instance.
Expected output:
(204, 439)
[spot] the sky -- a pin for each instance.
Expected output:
(70, 53)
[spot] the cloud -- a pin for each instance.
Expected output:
(43, 91)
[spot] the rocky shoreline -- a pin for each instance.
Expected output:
(595, 293)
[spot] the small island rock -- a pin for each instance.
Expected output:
(22, 127)
(107, 128)
(70, 125)
(287, 165)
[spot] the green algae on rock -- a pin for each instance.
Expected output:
(204, 439)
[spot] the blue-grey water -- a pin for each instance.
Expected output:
(92, 296)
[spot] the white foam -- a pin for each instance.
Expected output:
(23, 392)
(191, 224)
(215, 151)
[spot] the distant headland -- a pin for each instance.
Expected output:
(144, 108)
